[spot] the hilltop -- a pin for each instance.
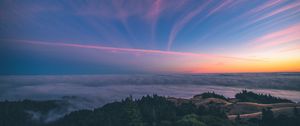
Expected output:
(246, 104)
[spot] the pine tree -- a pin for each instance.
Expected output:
(296, 113)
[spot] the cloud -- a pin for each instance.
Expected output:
(224, 4)
(75, 92)
(147, 11)
(276, 38)
(181, 23)
(14, 11)
(280, 10)
(146, 60)
(89, 91)
(133, 50)
(152, 16)
(274, 12)
(65, 105)
(238, 19)
(266, 5)
(290, 49)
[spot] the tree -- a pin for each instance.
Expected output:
(249, 96)
(238, 118)
(267, 117)
(132, 113)
(190, 120)
(295, 111)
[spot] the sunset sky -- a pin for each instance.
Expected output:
(149, 36)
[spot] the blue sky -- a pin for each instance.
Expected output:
(148, 36)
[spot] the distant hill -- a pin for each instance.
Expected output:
(248, 96)
(211, 95)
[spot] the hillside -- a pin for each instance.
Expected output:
(242, 105)
(208, 109)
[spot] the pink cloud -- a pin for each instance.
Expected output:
(265, 6)
(157, 7)
(289, 49)
(284, 32)
(154, 10)
(152, 16)
(122, 10)
(274, 12)
(286, 35)
(282, 9)
(253, 11)
(283, 40)
(135, 51)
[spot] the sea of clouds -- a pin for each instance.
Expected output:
(106, 88)
(91, 91)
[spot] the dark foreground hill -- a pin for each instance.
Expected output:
(208, 109)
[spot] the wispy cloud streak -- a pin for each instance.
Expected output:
(153, 15)
(250, 13)
(265, 6)
(274, 13)
(136, 51)
(280, 10)
(220, 7)
(223, 5)
(180, 24)
(279, 37)
(290, 49)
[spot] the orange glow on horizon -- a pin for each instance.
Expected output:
(289, 65)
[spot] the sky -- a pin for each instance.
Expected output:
(149, 36)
